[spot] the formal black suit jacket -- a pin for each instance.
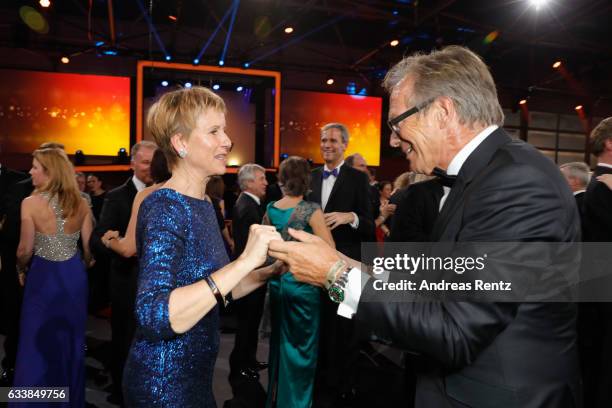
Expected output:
(597, 222)
(351, 193)
(115, 215)
(416, 212)
(11, 211)
(493, 354)
(245, 213)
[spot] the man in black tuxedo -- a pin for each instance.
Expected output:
(115, 216)
(358, 162)
(577, 175)
(596, 320)
(248, 210)
(343, 193)
(445, 115)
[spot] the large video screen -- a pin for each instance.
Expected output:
(84, 112)
(303, 114)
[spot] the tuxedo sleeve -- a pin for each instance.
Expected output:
(515, 204)
(109, 220)
(241, 224)
(363, 209)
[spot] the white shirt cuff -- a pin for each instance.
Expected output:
(355, 223)
(352, 293)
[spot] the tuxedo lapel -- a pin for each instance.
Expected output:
(473, 166)
(317, 179)
(341, 179)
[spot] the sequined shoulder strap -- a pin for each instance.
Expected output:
(57, 209)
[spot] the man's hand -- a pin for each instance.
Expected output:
(256, 249)
(308, 260)
(335, 219)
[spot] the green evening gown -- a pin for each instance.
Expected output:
(295, 312)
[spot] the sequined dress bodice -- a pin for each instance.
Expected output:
(59, 246)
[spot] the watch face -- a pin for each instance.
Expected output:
(336, 294)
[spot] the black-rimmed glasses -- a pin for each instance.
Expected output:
(394, 122)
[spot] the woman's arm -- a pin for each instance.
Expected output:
(26, 237)
(86, 230)
(320, 229)
(126, 246)
(188, 304)
(257, 278)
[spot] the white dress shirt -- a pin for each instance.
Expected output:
(326, 188)
(138, 184)
(356, 278)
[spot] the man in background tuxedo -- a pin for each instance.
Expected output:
(15, 188)
(343, 193)
(358, 162)
(115, 216)
(596, 318)
(577, 175)
(248, 210)
(445, 115)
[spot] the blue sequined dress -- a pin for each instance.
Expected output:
(179, 243)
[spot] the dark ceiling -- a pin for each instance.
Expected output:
(340, 37)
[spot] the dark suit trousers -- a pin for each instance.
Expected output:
(12, 296)
(249, 310)
(123, 323)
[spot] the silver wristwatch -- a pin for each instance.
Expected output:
(336, 290)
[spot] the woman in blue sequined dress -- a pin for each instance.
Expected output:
(184, 269)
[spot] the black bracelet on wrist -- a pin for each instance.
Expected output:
(215, 290)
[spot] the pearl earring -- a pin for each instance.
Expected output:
(182, 153)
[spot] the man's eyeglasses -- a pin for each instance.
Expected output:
(394, 122)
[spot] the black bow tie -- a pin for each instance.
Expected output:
(443, 178)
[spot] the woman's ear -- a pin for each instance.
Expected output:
(177, 142)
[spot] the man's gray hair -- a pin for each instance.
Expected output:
(343, 131)
(247, 173)
(578, 170)
(454, 72)
(146, 144)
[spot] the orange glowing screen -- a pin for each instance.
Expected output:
(86, 112)
(303, 114)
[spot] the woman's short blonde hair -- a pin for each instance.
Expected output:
(177, 112)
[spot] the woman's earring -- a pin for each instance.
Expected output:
(182, 153)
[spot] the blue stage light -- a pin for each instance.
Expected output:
(187, 84)
(216, 87)
(196, 61)
(164, 83)
(239, 89)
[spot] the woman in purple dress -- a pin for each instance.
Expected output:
(51, 351)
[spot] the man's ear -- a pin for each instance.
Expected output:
(445, 111)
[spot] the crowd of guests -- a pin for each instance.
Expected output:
(164, 245)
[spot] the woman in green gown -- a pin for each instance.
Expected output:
(295, 306)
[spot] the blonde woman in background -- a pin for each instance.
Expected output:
(51, 349)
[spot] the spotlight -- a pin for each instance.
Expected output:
(330, 81)
(578, 107)
(394, 43)
(239, 88)
(246, 65)
(187, 84)
(122, 156)
(65, 60)
(216, 87)
(284, 156)
(172, 18)
(44, 3)
(557, 64)
(168, 58)
(164, 83)
(79, 158)
(538, 3)
(395, 12)
(522, 101)
(288, 30)
(196, 61)
(221, 62)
